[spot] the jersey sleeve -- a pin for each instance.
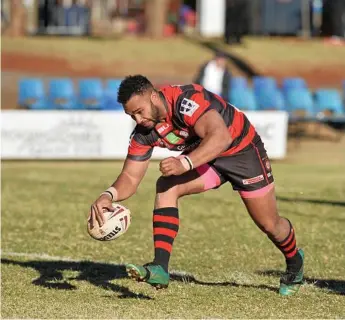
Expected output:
(190, 106)
(139, 148)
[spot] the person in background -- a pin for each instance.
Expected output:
(215, 76)
(236, 21)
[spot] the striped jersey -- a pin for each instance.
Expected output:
(185, 104)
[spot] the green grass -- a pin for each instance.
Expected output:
(109, 50)
(236, 268)
(260, 52)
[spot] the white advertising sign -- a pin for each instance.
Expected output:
(272, 127)
(64, 134)
(102, 135)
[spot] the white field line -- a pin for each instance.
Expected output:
(45, 256)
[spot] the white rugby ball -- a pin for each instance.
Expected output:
(116, 224)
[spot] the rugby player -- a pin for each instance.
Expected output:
(218, 144)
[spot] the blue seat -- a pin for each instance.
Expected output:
(61, 94)
(280, 101)
(270, 99)
(329, 100)
(264, 83)
(91, 94)
(111, 90)
(243, 99)
(293, 83)
(238, 83)
(300, 101)
(31, 94)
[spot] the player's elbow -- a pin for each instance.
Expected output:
(224, 139)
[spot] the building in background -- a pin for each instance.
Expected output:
(228, 19)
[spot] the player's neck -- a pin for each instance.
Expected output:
(163, 107)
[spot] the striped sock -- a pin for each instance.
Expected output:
(165, 229)
(288, 245)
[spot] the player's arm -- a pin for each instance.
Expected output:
(215, 138)
(129, 179)
(126, 184)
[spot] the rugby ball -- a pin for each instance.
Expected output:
(116, 224)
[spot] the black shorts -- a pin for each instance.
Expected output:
(246, 170)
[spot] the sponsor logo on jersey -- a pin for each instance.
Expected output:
(253, 180)
(188, 107)
(184, 134)
(161, 129)
(173, 138)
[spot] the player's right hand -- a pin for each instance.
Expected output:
(103, 203)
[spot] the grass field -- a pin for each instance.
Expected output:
(174, 59)
(222, 265)
(255, 50)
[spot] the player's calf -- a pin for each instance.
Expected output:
(280, 231)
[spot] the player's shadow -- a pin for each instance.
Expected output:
(189, 278)
(334, 286)
(98, 274)
(314, 201)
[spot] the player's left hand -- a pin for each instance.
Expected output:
(171, 167)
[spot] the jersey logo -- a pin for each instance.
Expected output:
(188, 107)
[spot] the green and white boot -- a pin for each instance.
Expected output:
(153, 274)
(290, 282)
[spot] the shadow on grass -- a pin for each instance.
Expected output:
(98, 274)
(334, 286)
(189, 278)
(315, 201)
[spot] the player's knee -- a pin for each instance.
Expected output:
(168, 186)
(270, 227)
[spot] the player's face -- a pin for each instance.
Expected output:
(143, 110)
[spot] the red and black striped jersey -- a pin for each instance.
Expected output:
(185, 104)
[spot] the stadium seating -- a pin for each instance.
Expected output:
(264, 83)
(299, 102)
(238, 83)
(91, 94)
(270, 99)
(61, 94)
(110, 98)
(329, 101)
(31, 94)
(293, 83)
(264, 94)
(244, 99)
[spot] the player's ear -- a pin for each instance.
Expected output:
(154, 97)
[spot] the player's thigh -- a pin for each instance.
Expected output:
(263, 208)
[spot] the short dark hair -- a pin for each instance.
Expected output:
(131, 85)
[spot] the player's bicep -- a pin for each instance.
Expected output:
(135, 170)
(209, 123)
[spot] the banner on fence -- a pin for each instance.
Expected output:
(102, 134)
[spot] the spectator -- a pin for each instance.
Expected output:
(215, 76)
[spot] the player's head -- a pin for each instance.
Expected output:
(140, 100)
